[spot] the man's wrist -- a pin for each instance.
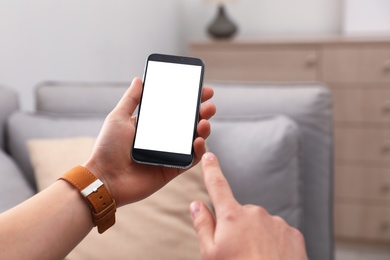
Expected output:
(102, 204)
(76, 201)
(91, 167)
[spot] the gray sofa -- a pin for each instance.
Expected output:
(274, 142)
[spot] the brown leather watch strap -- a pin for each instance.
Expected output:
(99, 198)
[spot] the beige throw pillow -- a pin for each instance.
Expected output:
(158, 227)
(51, 158)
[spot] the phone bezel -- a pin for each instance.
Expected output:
(169, 159)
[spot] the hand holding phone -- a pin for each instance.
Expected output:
(168, 111)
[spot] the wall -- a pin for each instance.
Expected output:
(266, 18)
(98, 40)
(367, 17)
(81, 40)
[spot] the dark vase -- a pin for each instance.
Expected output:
(222, 27)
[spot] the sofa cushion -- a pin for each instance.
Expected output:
(51, 156)
(158, 227)
(260, 158)
(23, 127)
(96, 99)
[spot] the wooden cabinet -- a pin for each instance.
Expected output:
(365, 104)
(287, 64)
(362, 145)
(366, 184)
(356, 63)
(368, 222)
(358, 73)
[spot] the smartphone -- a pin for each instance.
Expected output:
(168, 112)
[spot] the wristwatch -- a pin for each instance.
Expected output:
(99, 199)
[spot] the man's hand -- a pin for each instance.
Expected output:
(240, 232)
(111, 162)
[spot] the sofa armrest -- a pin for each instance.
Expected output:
(8, 104)
(14, 188)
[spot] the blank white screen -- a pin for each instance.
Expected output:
(167, 113)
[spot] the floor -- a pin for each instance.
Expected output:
(347, 251)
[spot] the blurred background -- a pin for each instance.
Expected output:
(102, 41)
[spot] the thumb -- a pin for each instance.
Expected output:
(134, 120)
(204, 224)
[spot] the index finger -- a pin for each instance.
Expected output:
(217, 186)
(207, 93)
